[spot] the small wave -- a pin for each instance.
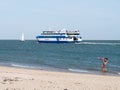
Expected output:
(119, 73)
(78, 70)
(21, 66)
(116, 66)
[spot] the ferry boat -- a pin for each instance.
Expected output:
(60, 36)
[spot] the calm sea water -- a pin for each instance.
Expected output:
(81, 57)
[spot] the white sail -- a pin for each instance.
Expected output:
(22, 38)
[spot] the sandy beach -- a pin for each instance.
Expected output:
(26, 79)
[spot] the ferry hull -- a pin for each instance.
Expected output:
(56, 42)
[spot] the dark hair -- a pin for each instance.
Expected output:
(106, 58)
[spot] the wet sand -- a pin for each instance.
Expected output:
(26, 79)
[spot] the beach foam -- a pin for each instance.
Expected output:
(21, 66)
(78, 70)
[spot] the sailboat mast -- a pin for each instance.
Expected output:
(22, 38)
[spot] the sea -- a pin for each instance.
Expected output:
(66, 57)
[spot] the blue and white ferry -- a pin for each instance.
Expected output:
(60, 36)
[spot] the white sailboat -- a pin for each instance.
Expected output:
(22, 37)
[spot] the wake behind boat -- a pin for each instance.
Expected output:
(60, 36)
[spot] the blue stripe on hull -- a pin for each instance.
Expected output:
(55, 41)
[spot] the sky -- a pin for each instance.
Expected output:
(95, 19)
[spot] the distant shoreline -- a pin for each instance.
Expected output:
(82, 41)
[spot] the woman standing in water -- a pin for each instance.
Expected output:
(104, 63)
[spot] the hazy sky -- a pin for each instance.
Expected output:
(96, 19)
